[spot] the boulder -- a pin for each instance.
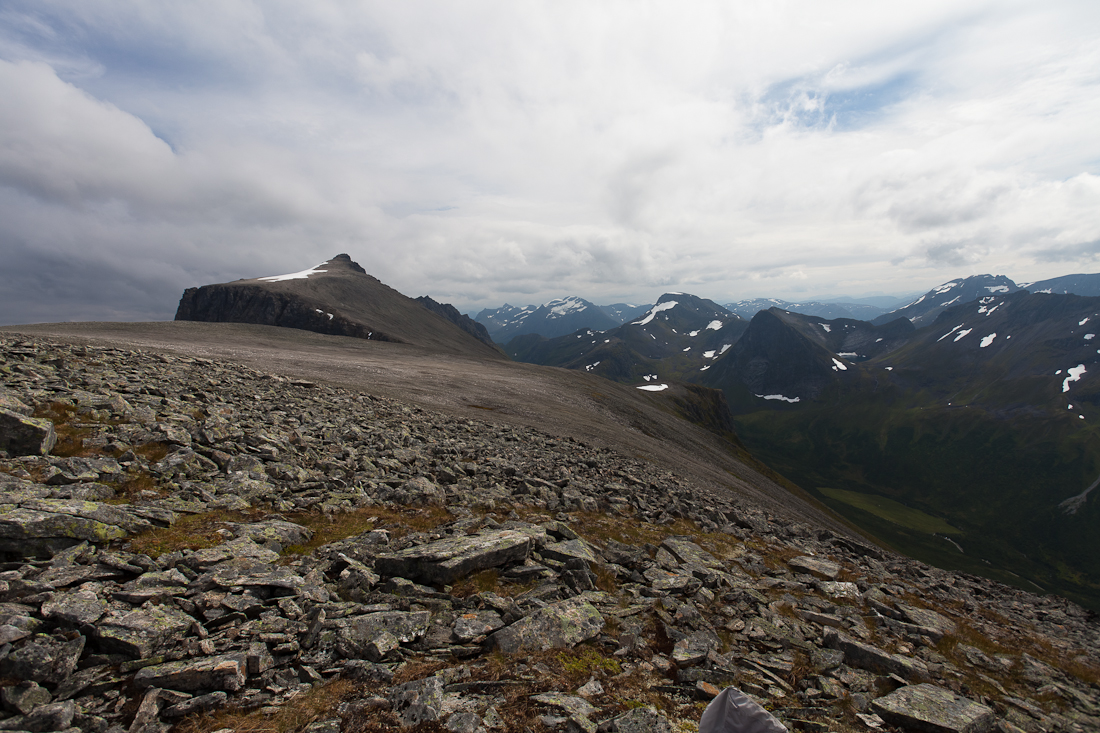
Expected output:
(934, 709)
(447, 560)
(144, 631)
(823, 569)
(21, 435)
(417, 702)
(868, 657)
(559, 625)
(224, 672)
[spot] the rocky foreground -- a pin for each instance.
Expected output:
(197, 545)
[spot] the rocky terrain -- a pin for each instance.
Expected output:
(195, 544)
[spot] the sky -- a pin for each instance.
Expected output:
(492, 152)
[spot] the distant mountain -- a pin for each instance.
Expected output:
(927, 307)
(1077, 284)
(861, 311)
(336, 297)
(556, 318)
(680, 334)
(985, 421)
(789, 357)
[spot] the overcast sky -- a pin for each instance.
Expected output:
(491, 152)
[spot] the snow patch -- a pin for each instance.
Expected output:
(703, 369)
(987, 340)
(296, 275)
(648, 377)
(963, 333)
(943, 288)
(826, 327)
(590, 367)
(839, 365)
(654, 387)
(944, 305)
(847, 353)
(693, 334)
(725, 348)
(997, 288)
(667, 305)
(1074, 376)
(953, 330)
(709, 354)
(1083, 321)
(1090, 336)
(780, 397)
(714, 325)
(889, 369)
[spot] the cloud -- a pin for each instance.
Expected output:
(490, 152)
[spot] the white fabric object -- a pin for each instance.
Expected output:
(733, 712)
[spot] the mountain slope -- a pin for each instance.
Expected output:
(336, 297)
(1079, 284)
(982, 424)
(926, 308)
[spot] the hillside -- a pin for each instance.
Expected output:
(983, 420)
(336, 297)
(237, 548)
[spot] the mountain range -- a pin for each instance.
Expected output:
(958, 428)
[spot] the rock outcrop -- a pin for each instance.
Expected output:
(338, 298)
(268, 547)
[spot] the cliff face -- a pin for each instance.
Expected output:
(463, 321)
(233, 303)
(339, 298)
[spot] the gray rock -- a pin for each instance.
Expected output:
(686, 551)
(569, 550)
(142, 632)
(24, 697)
(872, 658)
(447, 560)
(472, 625)
(75, 607)
(823, 569)
(354, 639)
(54, 716)
(243, 548)
(198, 704)
(21, 435)
(43, 659)
(417, 702)
(223, 672)
(638, 720)
(559, 625)
(694, 648)
(934, 709)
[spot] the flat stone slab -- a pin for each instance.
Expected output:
(687, 551)
(560, 625)
(445, 561)
(868, 657)
(929, 708)
(144, 631)
(570, 550)
(823, 569)
(224, 672)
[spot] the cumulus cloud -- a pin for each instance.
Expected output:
(490, 152)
